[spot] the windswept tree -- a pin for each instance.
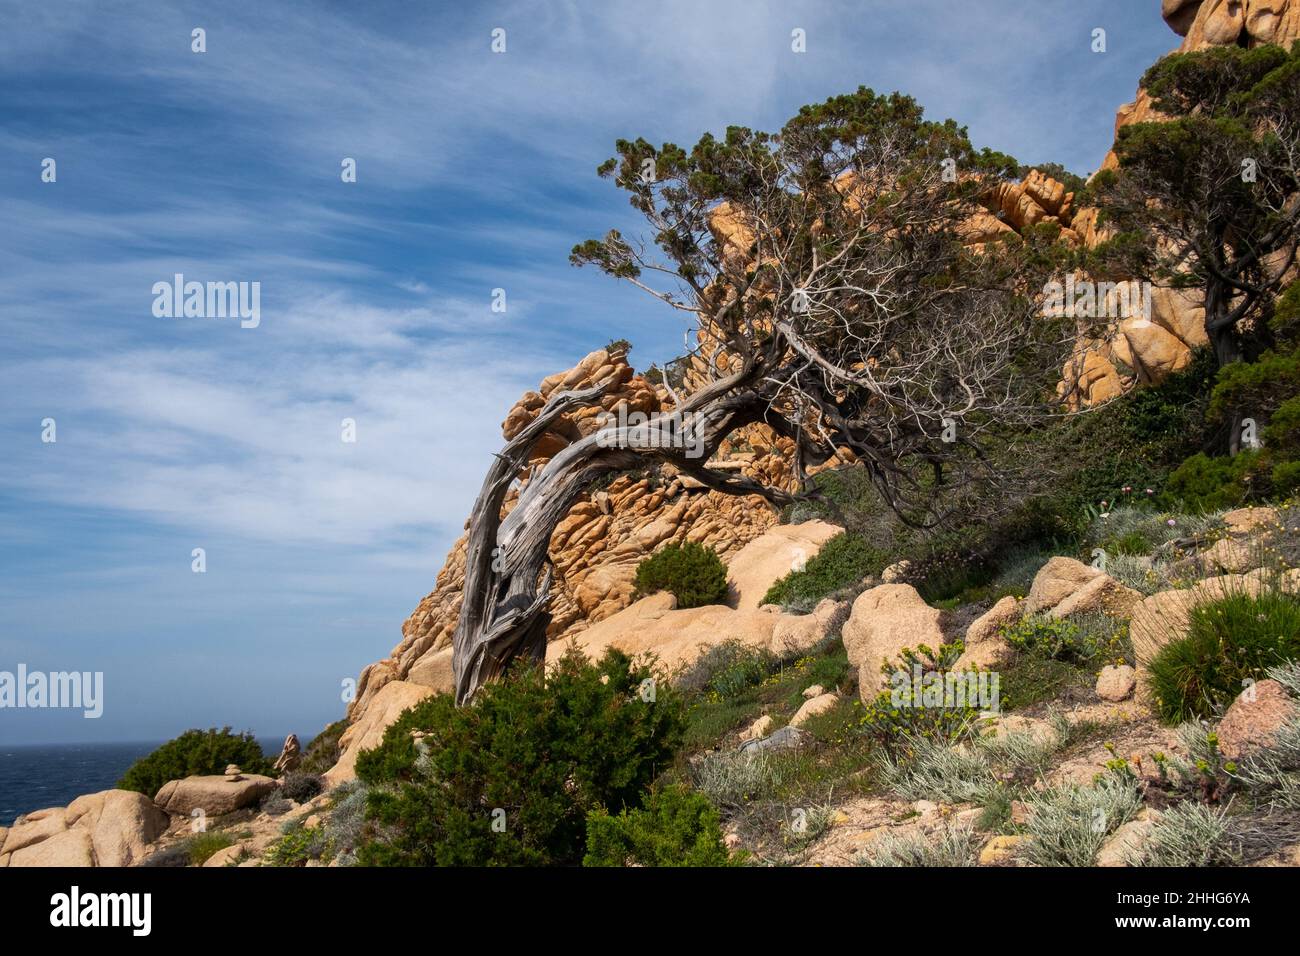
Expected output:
(827, 274)
(1211, 199)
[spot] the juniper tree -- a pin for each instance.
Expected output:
(826, 275)
(1210, 199)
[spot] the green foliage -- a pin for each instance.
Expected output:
(1229, 641)
(532, 754)
(1069, 824)
(295, 846)
(676, 827)
(895, 717)
(1134, 441)
(1028, 680)
(202, 845)
(323, 751)
(1266, 390)
(1083, 640)
(1215, 483)
(195, 752)
(843, 561)
(1200, 198)
(693, 573)
(727, 670)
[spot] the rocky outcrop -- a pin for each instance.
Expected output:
(109, 828)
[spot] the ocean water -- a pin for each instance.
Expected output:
(53, 775)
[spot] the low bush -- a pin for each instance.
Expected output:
(202, 845)
(694, 574)
(301, 787)
(954, 845)
(323, 751)
(1084, 639)
(1208, 483)
(511, 778)
(843, 561)
(1228, 642)
(894, 716)
(726, 670)
(1189, 834)
(195, 752)
(1069, 824)
(676, 827)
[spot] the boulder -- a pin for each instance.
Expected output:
(811, 708)
(883, 622)
(1245, 521)
(214, 795)
(1064, 586)
(66, 848)
(987, 655)
(758, 729)
(816, 690)
(226, 856)
(793, 633)
(993, 620)
(1252, 723)
(122, 825)
(1116, 682)
(1125, 845)
(35, 827)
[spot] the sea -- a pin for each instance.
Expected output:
(33, 777)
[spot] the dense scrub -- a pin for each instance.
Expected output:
(195, 752)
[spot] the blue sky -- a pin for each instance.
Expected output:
(475, 171)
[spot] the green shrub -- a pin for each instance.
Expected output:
(727, 670)
(1228, 642)
(894, 719)
(323, 751)
(1208, 483)
(676, 827)
(296, 846)
(195, 752)
(510, 779)
(202, 845)
(693, 573)
(1083, 640)
(1186, 835)
(843, 561)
